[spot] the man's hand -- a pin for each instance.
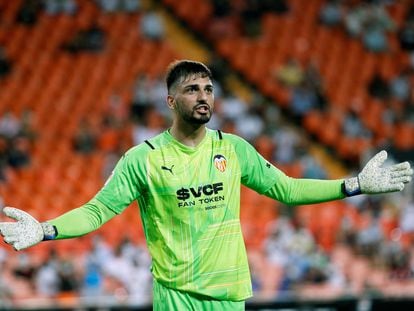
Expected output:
(377, 179)
(23, 233)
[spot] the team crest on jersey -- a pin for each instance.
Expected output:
(220, 162)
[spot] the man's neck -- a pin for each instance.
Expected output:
(190, 135)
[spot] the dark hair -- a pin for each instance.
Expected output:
(180, 69)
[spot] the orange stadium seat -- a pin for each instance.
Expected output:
(67, 87)
(338, 56)
(404, 136)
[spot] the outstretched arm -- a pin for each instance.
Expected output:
(373, 179)
(87, 218)
(27, 231)
(298, 191)
(118, 192)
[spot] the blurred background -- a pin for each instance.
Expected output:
(316, 86)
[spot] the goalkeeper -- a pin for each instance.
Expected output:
(187, 183)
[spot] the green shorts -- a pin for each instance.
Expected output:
(167, 299)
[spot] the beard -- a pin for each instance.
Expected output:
(194, 117)
(191, 118)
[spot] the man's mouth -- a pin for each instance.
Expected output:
(202, 109)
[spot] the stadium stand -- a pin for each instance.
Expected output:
(60, 89)
(299, 34)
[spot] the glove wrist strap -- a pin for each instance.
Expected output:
(351, 187)
(49, 231)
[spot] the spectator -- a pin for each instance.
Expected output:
(250, 125)
(370, 22)
(131, 6)
(378, 87)
(24, 267)
(158, 95)
(6, 292)
(376, 26)
(152, 125)
(303, 99)
(400, 86)
(313, 78)
(118, 267)
(291, 246)
(53, 7)
(92, 284)
(275, 6)
(91, 39)
(47, 278)
(151, 26)
(251, 15)
(4, 148)
(290, 73)
(232, 106)
(287, 140)
(354, 20)
(276, 248)
(406, 33)
(140, 281)
(26, 126)
(331, 13)
(5, 63)
(407, 217)
(68, 281)
(10, 125)
(221, 8)
(28, 11)
(141, 97)
(370, 236)
(85, 139)
(110, 6)
(19, 153)
(312, 168)
(353, 127)
(406, 36)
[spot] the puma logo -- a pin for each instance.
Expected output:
(168, 169)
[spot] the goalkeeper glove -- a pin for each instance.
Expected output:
(375, 179)
(26, 231)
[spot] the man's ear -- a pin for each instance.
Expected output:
(171, 102)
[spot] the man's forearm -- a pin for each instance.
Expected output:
(82, 220)
(293, 191)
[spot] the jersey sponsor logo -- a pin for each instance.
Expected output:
(196, 192)
(220, 162)
(203, 194)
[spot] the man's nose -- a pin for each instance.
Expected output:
(202, 96)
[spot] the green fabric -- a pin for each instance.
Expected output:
(305, 191)
(189, 199)
(82, 220)
(169, 299)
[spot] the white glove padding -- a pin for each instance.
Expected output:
(24, 233)
(377, 179)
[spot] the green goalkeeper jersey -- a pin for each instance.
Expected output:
(189, 199)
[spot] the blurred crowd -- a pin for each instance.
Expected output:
(17, 137)
(373, 253)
